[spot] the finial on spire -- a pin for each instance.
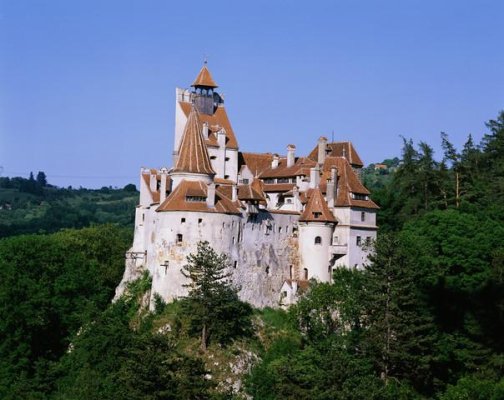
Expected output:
(205, 59)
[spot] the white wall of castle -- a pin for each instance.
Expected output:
(262, 250)
(315, 257)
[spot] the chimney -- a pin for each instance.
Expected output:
(205, 130)
(153, 180)
(234, 193)
(274, 162)
(330, 193)
(314, 177)
(322, 148)
(211, 195)
(290, 155)
(162, 189)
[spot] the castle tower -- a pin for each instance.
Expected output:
(316, 226)
(193, 162)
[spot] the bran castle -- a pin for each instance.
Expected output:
(282, 220)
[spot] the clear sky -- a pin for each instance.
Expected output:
(87, 88)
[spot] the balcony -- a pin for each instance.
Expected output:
(340, 249)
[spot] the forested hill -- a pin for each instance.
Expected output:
(34, 206)
(424, 320)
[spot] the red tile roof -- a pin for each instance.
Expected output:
(340, 149)
(348, 183)
(177, 200)
(193, 155)
(204, 78)
(247, 192)
(215, 121)
(301, 167)
(316, 209)
(256, 162)
(278, 187)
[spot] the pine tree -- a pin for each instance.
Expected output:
(213, 305)
(398, 328)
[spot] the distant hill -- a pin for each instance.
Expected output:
(375, 176)
(34, 206)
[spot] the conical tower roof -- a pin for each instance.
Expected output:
(193, 155)
(204, 78)
(316, 209)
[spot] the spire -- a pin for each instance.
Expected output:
(317, 209)
(193, 154)
(204, 78)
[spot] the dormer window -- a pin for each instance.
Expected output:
(195, 199)
(359, 196)
(317, 215)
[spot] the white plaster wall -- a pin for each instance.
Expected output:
(231, 166)
(180, 121)
(358, 255)
(260, 251)
(315, 257)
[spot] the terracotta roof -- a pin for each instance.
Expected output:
(316, 209)
(278, 187)
(256, 162)
(348, 183)
(301, 167)
(222, 181)
(216, 121)
(340, 149)
(289, 212)
(247, 192)
(204, 78)
(193, 155)
(177, 200)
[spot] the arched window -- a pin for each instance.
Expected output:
(318, 240)
(305, 270)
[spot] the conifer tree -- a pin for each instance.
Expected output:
(213, 305)
(398, 327)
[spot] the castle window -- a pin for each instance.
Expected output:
(182, 220)
(194, 199)
(245, 181)
(362, 216)
(213, 157)
(227, 158)
(200, 220)
(290, 271)
(279, 229)
(336, 240)
(234, 240)
(143, 217)
(305, 270)
(288, 201)
(317, 214)
(179, 238)
(269, 181)
(235, 264)
(358, 241)
(283, 180)
(359, 196)
(226, 176)
(267, 271)
(318, 240)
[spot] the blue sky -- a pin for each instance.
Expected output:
(87, 88)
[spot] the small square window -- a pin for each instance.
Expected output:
(182, 220)
(200, 220)
(362, 216)
(179, 238)
(359, 241)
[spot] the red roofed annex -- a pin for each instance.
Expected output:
(281, 219)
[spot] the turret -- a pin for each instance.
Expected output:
(316, 226)
(204, 96)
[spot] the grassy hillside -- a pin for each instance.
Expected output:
(27, 206)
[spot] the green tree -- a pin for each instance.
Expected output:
(398, 329)
(213, 303)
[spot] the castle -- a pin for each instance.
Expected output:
(282, 220)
